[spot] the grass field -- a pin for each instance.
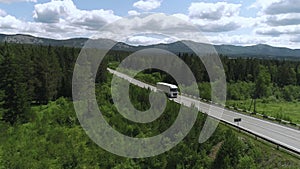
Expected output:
(289, 111)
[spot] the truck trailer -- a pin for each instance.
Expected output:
(169, 89)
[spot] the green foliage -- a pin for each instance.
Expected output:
(262, 83)
(240, 90)
(229, 154)
(140, 97)
(54, 139)
(16, 96)
(205, 90)
(50, 136)
(33, 74)
(291, 93)
(287, 75)
(48, 75)
(276, 108)
(151, 78)
(66, 57)
(246, 162)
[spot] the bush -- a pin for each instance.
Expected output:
(240, 90)
(205, 90)
(61, 102)
(270, 99)
(291, 93)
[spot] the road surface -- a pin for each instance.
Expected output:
(281, 135)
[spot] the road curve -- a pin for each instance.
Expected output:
(284, 136)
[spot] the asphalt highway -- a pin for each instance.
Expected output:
(281, 135)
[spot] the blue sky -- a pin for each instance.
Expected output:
(236, 22)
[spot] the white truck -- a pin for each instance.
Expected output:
(170, 89)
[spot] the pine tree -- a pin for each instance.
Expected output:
(67, 58)
(48, 75)
(262, 83)
(16, 100)
(287, 75)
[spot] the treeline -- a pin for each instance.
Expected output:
(283, 72)
(247, 78)
(33, 74)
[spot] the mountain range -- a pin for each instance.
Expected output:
(256, 51)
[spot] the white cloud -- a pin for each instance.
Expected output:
(51, 12)
(283, 19)
(11, 25)
(278, 18)
(274, 7)
(59, 11)
(296, 39)
(283, 6)
(147, 40)
(151, 24)
(263, 4)
(147, 5)
(94, 19)
(58, 19)
(247, 40)
(216, 26)
(12, 1)
(10, 22)
(221, 22)
(224, 24)
(216, 17)
(268, 31)
(182, 16)
(280, 30)
(236, 39)
(133, 12)
(213, 11)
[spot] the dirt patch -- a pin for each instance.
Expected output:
(215, 150)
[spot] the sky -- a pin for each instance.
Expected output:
(235, 22)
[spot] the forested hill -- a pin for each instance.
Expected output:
(27, 39)
(257, 51)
